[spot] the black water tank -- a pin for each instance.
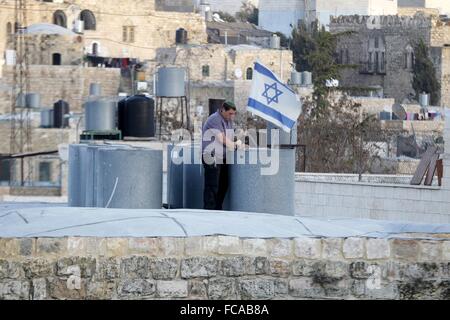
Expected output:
(181, 36)
(121, 114)
(139, 117)
(214, 105)
(60, 109)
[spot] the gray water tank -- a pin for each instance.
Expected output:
(47, 118)
(171, 82)
(193, 178)
(424, 99)
(251, 191)
(296, 78)
(275, 42)
(129, 178)
(100, 114)
(21, 100)
(174, 177)
(33, 100)
(95, 89)
(306, 78)
(74, 188)
(285, 138)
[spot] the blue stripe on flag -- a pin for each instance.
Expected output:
(271, 112)
(261, 69)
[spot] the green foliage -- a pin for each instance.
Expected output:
(284, 41)
(314, 50)
(425, 79)
(248, 13)
(226, 16)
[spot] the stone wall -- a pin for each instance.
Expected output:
(69, 83)
(224, 267)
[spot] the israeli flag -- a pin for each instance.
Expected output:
(272, 100)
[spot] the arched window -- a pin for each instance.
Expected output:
(60, 19)
(249, 74)
(409, 57)
(89, 20)
(8, 28)
(95, 49)
(56, 59)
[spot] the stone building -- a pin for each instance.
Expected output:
(379, 52)
(441, 5)
(112, 29)
(283, 15)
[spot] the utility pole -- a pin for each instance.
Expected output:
(20, 139)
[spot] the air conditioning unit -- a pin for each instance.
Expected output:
(79, 26)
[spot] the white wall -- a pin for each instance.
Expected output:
(320, 196)
(442, 5)
(230, 6)
(277, 15)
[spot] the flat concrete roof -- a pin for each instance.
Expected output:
(57, 220)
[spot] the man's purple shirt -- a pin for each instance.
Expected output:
(216, 121)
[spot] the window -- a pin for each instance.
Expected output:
(44, 171)
(95, 49)
(128, 33)
(8, 28)
(56, 59)
(89, 20)
(205, 71)
(60, 19)
(5, 170)
(249, 74)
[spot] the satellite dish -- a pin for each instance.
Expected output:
(399, 111)
(238, 73)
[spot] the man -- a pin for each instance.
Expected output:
(216, 140)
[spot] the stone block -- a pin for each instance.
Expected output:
(95, 246)
(132, 288)
(173, 247)
(306, 267)
(332, 249)
(198, 246)
(279, 268)
(72, 288)
(256, 288)
(38, 268)
(86, 266)
(103, 290)
(430, 250)
(76, 246)
(199, 267)
(229, 245)
(9, 248)
(26, 247)
(145, 246)
(222, 289)
(164, 268)
(405, 249)
(305, 288)
(51, 246)
(308, 248)
(14, 290)
(116, 247)
(281, 286)
(107, 268)
(235, 266)
(360, 270)
(172, 289)
(135, 267)
(353, 248)
(39, 289)
(11, 270)
(198, 289)
(254, 247)
(377, 249)
(446, 251)
(280, 248)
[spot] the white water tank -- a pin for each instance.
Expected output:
(171, 82)
(275, 42)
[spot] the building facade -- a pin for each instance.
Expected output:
(283, 15)
(442, 5)
(378, 51)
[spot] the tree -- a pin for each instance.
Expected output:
(339, 139)
(226, 16)
(424, 78)
(314, 50)
(248, 13)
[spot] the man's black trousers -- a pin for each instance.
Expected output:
(216, 185)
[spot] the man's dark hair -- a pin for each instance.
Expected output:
(228, 105)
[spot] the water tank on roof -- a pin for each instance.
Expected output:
(306, 78)
(174, 177)
(60, 110)
(121, 113)
(424, 99)
(275, 42)
(100, 114)
(171, 82)
(33, 100)
(137, 117)
(95, 89)
(181, 36)
(296, 78)
(47, 118)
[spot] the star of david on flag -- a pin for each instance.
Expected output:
(273, 100)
